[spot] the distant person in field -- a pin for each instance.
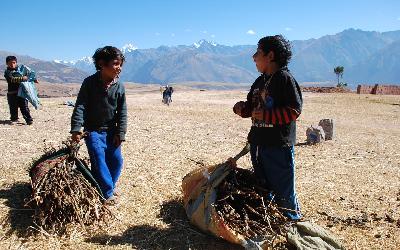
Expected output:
(101, 110)
(170, 90)
(167, 93)
(274, 103)
(15, 74)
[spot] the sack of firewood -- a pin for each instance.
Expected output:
(64, 192)
(315, 134)
(228, 203)
(328, 127)
(225, 202)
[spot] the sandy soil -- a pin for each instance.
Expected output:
(353, 178)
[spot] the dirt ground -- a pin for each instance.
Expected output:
(349, 185)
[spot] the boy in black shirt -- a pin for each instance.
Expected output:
(101, 109)
(15, 74)
(274, 103)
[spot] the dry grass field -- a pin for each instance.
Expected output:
(350, 185)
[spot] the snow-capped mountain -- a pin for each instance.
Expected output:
(128, 48)
(85, 59)
(202, 61)
(204, 43)
(72, 62)
(367, 57)
(84, 64)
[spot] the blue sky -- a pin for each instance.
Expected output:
(71, 29)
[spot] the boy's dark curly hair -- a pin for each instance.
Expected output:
(107, 54)
(11, 58)
(279, 45)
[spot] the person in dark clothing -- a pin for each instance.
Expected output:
(101, 110)
(170, 91)
(164, 94)
(167, 94)
(14, 77)
(274, 103)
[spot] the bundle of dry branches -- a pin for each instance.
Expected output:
(244, 208)
(62, 195)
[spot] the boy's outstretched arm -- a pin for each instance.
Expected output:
(77, 115)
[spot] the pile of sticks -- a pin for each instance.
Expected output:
(61, 195)
(244, 207)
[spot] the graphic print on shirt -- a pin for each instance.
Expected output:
(261, 101)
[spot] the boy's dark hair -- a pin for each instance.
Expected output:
(279, 45)
(107, 54)
(11, 58)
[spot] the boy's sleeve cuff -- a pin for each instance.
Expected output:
(122, 136)
(75, 130)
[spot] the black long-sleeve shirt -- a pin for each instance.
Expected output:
(98, 108)
(280, 98)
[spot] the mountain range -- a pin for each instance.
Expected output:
(367, 57)
(47, 71)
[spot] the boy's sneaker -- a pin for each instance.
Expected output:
(117, 192)
(111, 201)
(29, 122)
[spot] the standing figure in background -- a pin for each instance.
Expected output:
(167, 95)
(15, 74)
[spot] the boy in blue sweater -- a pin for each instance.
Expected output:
(101, 110)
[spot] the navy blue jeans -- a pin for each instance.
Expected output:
(106, 160)
(275, 168)
(15, 102)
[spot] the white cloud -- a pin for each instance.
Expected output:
(188, 30)
(251, 32)
(213, 36)
(157, 34)
(204, 31)
(173, 34)
(398, 19)
(288, 29)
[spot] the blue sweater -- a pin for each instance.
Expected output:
(97, 108)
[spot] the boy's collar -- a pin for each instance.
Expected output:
(114, 81)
